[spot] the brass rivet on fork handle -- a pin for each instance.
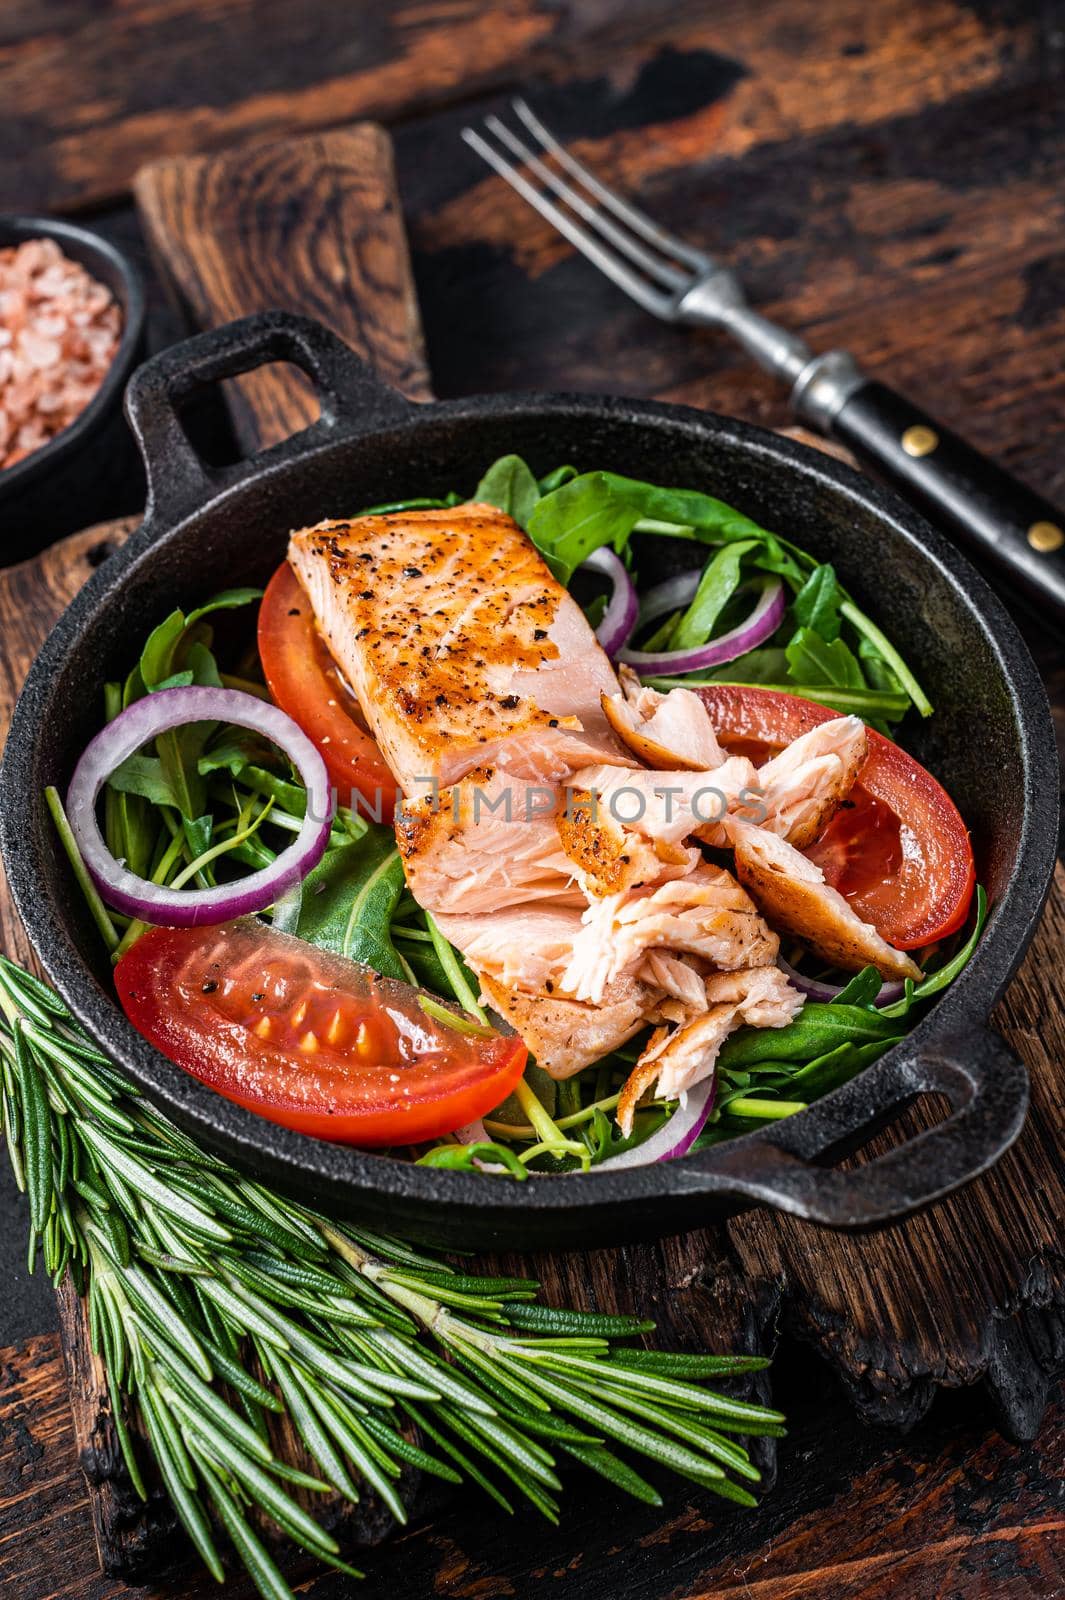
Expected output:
(919, 440)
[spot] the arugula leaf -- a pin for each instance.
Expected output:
(862, 989)
(585, 513)
(876, 669)
(811, 659)
(178, 652)
(879, 642)
(225, 600)
(817, 1029)
(416, 503)
(234, 750)
(291, 797)
(165, 649)
(719, 582)
(348, 901)
(203, 666)
(464, 1158)
(510, 485)
(687, 513)
(817, 603)
(143, 775)
(199, 832)
(157, 656)
(767, 665)
(605, 1141)
(823, 1074)
(554, 480)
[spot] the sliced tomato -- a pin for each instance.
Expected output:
(303, 679)
(309, 1039)
(897, 849)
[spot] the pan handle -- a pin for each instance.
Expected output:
(787, 1166)
(351, 398)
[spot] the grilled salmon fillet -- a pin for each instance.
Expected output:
(803, 785)
(551, 813)
(461, 647)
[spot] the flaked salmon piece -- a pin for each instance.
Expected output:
(519, 957)
(486, 844)
(669, 807)
(671, 730)
(795, 899)
(705, 914)
(565, 1036)
(680, 979)
(803, 785)
(461, 647)
(679, 1060)
(527, 947)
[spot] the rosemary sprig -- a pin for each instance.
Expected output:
(215, 1303)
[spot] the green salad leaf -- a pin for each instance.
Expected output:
(813, 660)
(510, 485)
(826, 649)
(576, 519)
(817, 603)
(349, 900)
(721, 577)
(817, 1029)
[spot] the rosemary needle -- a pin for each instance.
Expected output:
(195, 1275)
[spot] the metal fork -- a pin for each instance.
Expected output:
(981, 503)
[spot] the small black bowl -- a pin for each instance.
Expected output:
(92, 469)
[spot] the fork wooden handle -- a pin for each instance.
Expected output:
(983, 506)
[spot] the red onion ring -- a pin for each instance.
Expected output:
(619, 618)
(763, 621)
(675, 1137)
(674, 594)
(827, 992)
(159, 713)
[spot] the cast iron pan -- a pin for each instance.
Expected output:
(990, 742)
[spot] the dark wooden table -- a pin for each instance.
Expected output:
(889, 177)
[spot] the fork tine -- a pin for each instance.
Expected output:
(638, 289)
(653, 265)
(637, 220)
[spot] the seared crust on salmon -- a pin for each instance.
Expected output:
(565, 1036)
(459, 643)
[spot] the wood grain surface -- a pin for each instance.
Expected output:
(90, 92)
(887, 178)
(310, 224)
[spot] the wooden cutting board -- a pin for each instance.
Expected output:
(971, 1292)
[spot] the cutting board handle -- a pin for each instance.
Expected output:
(789, 1166)
(351, 398)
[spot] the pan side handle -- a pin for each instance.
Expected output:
(789, 1165)
(351, 398)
